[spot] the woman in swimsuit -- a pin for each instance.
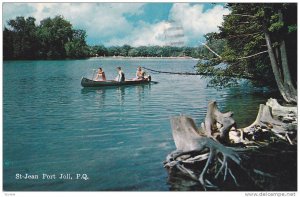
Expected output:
(140, 74)
(100, 75)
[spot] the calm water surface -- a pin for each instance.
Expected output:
(119, 137)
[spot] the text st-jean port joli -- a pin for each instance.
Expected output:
(52, 176)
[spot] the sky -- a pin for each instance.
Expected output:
(136, 24)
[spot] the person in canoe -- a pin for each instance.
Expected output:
(140, 74)
(121, 75)
(100, 75)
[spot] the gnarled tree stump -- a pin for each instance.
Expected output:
(217, 124)
(209, 144)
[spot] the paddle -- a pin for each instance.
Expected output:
(93, 74)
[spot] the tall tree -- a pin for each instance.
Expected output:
(277, 49)
(54, 34)
(8, 50)
(77, 47)
(53, 38)
(258, 46)
(22, 35)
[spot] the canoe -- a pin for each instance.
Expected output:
(85, 82)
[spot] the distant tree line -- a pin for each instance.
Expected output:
(55, 38)
(144, 51)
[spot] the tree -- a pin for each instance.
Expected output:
(142, 51)
(257, 47)
(133, 52)
(77, 47)
(113, 51)
(20, 38)
(278, 50)
(99, 50)
(54, 34)
(8, 50)
(124, 50)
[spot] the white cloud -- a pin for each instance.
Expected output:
(98, 19)
(195, 20)
(107, 21)
(142, 35)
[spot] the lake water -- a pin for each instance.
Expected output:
(119, 137)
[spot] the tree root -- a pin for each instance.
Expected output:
(276, 119)
(201, 154)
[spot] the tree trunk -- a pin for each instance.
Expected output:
(285, 86)
(288, 84)
(279, 62)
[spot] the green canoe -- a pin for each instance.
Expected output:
(91, 83)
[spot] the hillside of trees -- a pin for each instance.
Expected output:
(55, 38)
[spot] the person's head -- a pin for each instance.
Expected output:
(119, 68)
(139, 68)
(100, 69)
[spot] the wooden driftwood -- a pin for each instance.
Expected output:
(210, 144)
(217, 124)
(274, 118)
(189, 141)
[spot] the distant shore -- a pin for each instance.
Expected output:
(141, 57)
(111, 57)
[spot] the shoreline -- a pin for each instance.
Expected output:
(124, 57)
(110, 57)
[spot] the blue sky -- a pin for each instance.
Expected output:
(135, 24)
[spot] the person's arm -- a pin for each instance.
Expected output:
(97, 76)
(103, 76)
(119, 77)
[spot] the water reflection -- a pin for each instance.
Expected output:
(116, 93)
(140, 91)
(120, 92)
(99, 93)
(244, 103)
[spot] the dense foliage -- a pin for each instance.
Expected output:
(144, 51)
(244, 50)
(52, 39)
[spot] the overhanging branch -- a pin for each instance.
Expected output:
(245, 15)
(243, 35)
(211, 50)
(246, 57)
(239, 58)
